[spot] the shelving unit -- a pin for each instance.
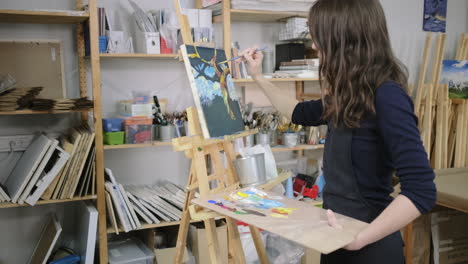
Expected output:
(278, 80)
(72, 17)
(296, 148)
(138, 56)
(43, 16)
(241, 15)
(84, 198)
(133, 146)
(31, 112)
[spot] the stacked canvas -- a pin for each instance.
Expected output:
(53, 169)
(38, 166)
(130, 206)
(77, 178)
(61, 104)
(18, 98)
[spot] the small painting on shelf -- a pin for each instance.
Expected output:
(435, 15)
(213, 90)
(455, 74)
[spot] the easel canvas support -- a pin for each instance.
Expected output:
(219, 177)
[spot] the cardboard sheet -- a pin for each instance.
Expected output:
(451, 188)
(307, 226)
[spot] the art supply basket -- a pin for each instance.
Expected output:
(251, 170)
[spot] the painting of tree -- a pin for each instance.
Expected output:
(213, 90)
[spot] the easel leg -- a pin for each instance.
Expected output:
(409, 243)
(212, 239)
(235, 245)
(182, 236)
(261, 251)
(184, 223)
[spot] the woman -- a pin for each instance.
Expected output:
(372, 129)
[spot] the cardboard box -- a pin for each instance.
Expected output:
(198, 240)
(167, 255)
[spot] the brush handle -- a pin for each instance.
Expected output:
(238, 57)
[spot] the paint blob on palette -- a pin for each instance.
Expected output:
(254, 202)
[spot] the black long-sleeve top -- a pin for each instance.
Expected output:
(386, 143)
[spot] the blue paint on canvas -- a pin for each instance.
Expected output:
(435, 15)
(455, 74)
(215, 91)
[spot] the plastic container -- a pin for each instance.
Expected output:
(114, 138)
(138, 130)
(129, 251)
(102, 44)
(112, 124)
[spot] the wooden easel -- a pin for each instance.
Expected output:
(211, 180)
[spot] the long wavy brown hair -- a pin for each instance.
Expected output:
(356, 57)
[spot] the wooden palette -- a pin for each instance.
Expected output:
(307, 226)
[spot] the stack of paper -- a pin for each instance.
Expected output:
(128, 207)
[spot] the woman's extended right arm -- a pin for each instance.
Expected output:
(278, 97)
(305, 113)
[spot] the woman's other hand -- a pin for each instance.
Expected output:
(333, 222)
(254, 60)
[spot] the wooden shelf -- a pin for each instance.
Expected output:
(278, 80)
(258, 16)
(138, 55)
(111, 230)
(299, 147)
(42, 16)
(31, 112)
(130, 146)
(10, 205)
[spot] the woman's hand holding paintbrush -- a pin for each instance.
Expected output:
(254, 57)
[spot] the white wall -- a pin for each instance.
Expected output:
(20, 227)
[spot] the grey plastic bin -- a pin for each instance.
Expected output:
(130, 251)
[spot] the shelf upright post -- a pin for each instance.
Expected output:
(96, 83)
(80, 46)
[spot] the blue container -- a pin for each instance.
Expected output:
(102, 44)
(112, 124)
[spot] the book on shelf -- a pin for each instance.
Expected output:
(129, 206)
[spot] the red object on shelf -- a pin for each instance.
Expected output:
(164, 48)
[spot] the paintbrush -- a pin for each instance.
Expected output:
(238, 57)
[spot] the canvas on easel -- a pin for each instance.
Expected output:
(213, 91)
